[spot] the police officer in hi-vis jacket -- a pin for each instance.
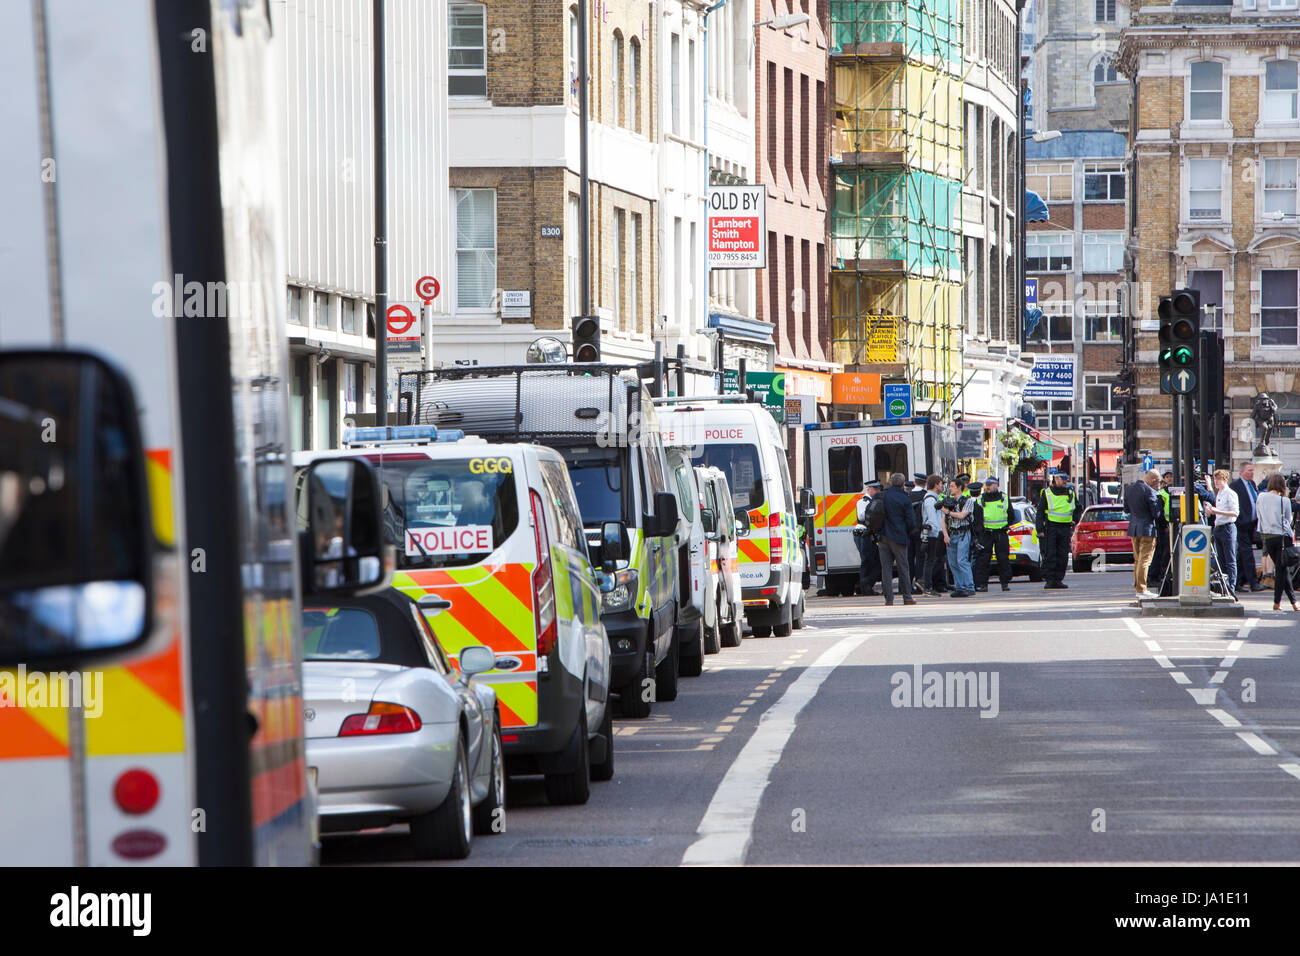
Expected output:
(992, 519)
(1058, 511)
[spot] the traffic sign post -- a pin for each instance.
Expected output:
(427, 288)
(1194, 553)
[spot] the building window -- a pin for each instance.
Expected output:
(571, 256)
(573, 56)
(620, 264)
(1102, 183)
(1281, 4)
(634, 276)
(1280, 188)
(618, 77)
(634, 85)
(327, 405)
(1104, 70)
(1057, 323)
(476, 248)
(675, 79)
(1103, 251)
(1049, 252)
(1102, 323)
(467, 49)
(294, 306)
(1205, 189)
(354, 377)
(1209, 282)
(1206, 91)
(300, 402)
(692, 98)
(1278, 301)
(1096, 393)
(1054, 182)
(349, 318)
(322, 317)
(1280, 88)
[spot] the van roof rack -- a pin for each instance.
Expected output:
(691, 399)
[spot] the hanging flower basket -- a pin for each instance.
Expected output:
(1017, 451)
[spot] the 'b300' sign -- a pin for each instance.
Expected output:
(737, 227)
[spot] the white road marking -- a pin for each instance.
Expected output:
(1205, 696)
(1292, 768)
(1164, 662)
(1223, 717)
(1180, 678)
(1152, 646)
(1257, 744)
(727, 828)
(1219, 677)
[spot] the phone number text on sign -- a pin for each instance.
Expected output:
(466, 539)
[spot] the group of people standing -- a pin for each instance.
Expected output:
(1240, 510)
(934, 541)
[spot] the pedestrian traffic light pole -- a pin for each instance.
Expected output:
(381, 220)
(1180, 344)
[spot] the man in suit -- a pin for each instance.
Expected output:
(1247, 495)
(1143, 509)
(900, 527)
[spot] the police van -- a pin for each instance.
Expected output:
(601, 421)
(490, 545)
(742, 440)
(844, 455)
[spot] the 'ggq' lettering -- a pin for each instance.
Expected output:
(490, 466)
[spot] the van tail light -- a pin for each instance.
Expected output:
(774, 541)
(382, 718)
(543, 582)
(136, 791)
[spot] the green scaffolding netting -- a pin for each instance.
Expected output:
(927, 29)
(906, 215)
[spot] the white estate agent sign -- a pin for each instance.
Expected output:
(1052, 377)
(737, 227)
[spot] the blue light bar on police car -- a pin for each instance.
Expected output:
(405, 434)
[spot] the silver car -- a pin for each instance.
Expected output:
(394, 734)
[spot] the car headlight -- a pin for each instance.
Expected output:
(618, 591)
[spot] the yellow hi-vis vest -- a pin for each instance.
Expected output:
(995, 513)
(1060, 508)
(1163, 495)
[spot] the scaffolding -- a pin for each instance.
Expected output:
(897, 158)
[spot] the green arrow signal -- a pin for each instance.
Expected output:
(1182, 355)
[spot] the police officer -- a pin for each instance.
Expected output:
(1160, 559)
(992, 518)
(957, 536)
(1058, 510)
(869, 570)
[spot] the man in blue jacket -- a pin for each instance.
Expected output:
(1247, 496)
(900, 528)
(1143, 509)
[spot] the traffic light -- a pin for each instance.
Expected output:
(586, 338)
(1180, 330)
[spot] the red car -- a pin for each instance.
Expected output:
(1101, 532)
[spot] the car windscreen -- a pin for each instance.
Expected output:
(739, 462)
(448, 513)
(339, 634)
(1105, 514)
(598, 486)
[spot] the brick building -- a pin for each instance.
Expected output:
(512, 78)
(1214, 146)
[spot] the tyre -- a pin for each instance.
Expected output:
(785, 625)
(445, 833)
(712, 636)
(667, 671)
(1081, 565)
(632, 697)
(762, 630)
(1035, 573)
(732, 633)
(574, 787)
(485, 814)
(689, 664)
(797, 620)
(605, 769)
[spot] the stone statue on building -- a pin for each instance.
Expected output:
(1263, 411)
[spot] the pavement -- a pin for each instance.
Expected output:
(1045, 727)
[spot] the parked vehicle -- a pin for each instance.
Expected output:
(394, 733)
(601, 420)
(491, 546)
(1101, 535)
(724, 562)
(743, 441)
(152, 543)
(844, 455)
(1022, 536)
(695, 635)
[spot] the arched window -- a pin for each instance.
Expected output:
(619, 76)
(1104, 70)
(634, 84)
(573, 55)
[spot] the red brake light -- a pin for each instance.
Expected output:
(382, 718)
(136, 791)
(774, 541)
(543, 583)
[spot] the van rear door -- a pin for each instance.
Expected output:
(891, 450)
(843, 463)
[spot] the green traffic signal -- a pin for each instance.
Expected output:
(1182, 355)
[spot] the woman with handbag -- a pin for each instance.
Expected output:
(1275, 526)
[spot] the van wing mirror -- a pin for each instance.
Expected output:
(76, 529)
(666, 513)
(343, 549)
(807, 503)
(742, 523)
(613, 543)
